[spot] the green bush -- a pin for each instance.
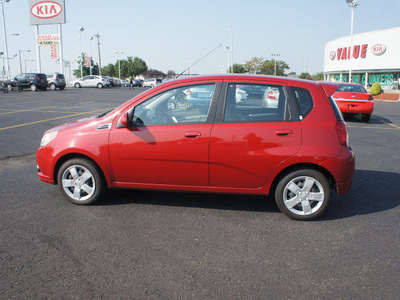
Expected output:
(376, 89)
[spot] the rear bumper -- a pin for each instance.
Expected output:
(355, 107)
(342, 168)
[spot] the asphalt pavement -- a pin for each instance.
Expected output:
(166, 245)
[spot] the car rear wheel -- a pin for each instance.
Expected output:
(33, 87)
(303, 194)
(77, 85)
(365, 117)
(100, 85)
(80, 181)
(9, 87)
(62, 87)
(52, 86)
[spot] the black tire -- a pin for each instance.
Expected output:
(33, 87)
(62, 87)
(53, 86)
(43, 89)
(100, 85)
(81, 181)
(294, 190)
(77, 85)
(9, 87)
(365, 117)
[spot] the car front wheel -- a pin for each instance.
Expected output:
(80, 181)
(303, 194)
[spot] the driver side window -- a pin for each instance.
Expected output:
(183, 105)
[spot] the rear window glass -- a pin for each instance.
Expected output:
(60, 76)
(304, 101)
(351, 88)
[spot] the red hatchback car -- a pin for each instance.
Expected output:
(353, 98)
(296, 152)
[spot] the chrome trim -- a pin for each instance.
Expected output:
(104, 126)
(352, 100)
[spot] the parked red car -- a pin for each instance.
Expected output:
(353, 98)
(295, 152)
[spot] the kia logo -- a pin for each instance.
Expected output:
(332, 55)
(46, 9)
(378, 49)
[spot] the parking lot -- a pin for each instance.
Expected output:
(146, 244)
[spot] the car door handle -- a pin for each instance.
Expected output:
(192, 134)
(283, 132)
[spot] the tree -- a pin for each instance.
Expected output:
(153, 73)
(318, 77)
(110, 70)
(237, 68)
(252, 66)
(305, 75)
(133, 67)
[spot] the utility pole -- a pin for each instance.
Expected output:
(98, 48)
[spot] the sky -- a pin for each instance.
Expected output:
(172, 34)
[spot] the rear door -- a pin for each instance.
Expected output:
(249, 140)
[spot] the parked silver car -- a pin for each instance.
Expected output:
(56, 80)
(91, 81)
(152, 82)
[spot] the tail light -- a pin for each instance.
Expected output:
(271, 95)
(343, 135)
(57, 77)
(370, 98)
(38, 78)
(189, 92)
(103, 79)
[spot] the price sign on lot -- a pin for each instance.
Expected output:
(54, 52)
(48, 39)
(87, 61)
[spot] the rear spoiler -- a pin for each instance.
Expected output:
(329, 87)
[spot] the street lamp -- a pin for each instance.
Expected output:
(20, 62)
(275, 55)
(90, 53)
(227, 49)
(25, 63)
(81, 29)
(119, 62)
(352, 4)
(98, 48)
(5, 36)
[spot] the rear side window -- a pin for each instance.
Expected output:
(255, 103)
(304, 101)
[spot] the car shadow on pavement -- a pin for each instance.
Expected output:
(191, 199)
(375, 120)
(371, 192)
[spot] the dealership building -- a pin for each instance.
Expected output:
(374, 57)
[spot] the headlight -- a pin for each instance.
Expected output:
(47, 138)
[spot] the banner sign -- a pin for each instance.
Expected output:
(54, 52)
(47, 12)
(87, 61)
(48, 39)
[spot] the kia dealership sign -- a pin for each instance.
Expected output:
(47, 12)
(374, 50)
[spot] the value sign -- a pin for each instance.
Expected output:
(47, 12)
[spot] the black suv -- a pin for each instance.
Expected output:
(32, 81)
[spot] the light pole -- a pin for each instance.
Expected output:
(227, 50)
(5, 36)
(352, 4)
(119, 64)
(81, 29)
(90, 53)
(98, 48)
(275, 55)
(26, 61)
(20, 61)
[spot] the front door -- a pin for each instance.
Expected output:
(168, 143)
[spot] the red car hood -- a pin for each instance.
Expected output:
(71, 124)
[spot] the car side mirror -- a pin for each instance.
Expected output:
(124, 121)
